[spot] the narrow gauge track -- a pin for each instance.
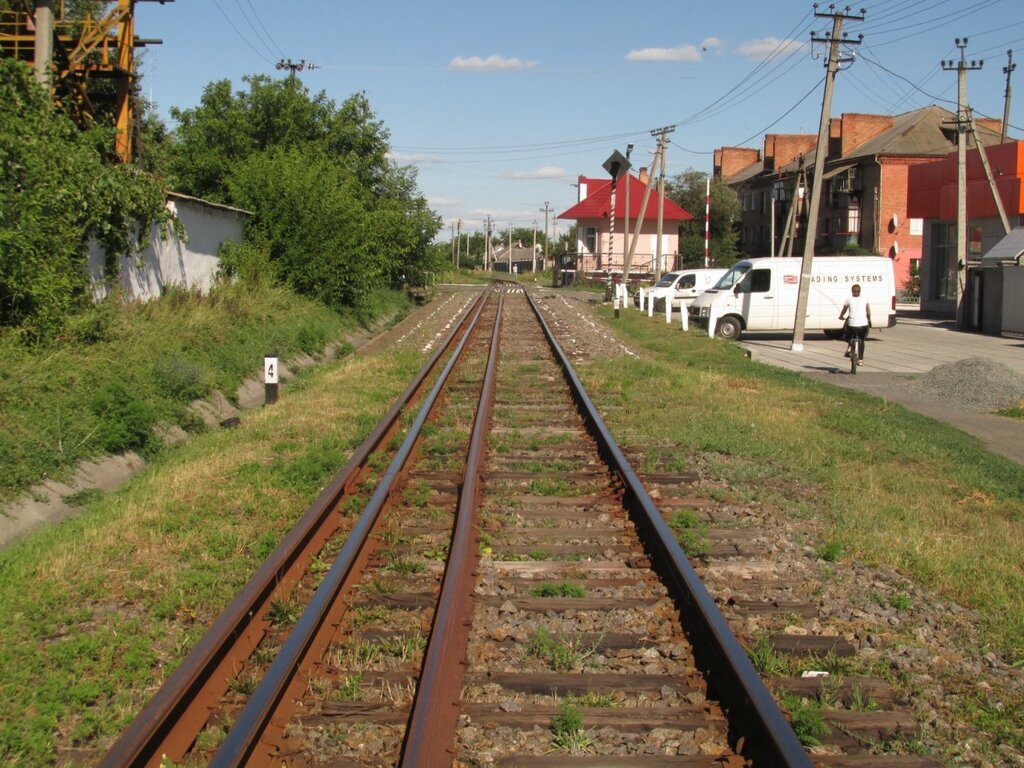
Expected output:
(509, 596)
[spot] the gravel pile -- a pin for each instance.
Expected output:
(974, 384)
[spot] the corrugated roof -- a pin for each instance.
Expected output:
(597, 203)
(1010, 248)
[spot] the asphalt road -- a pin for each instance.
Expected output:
(914, 346)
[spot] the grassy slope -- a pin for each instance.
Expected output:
(101, 608)
(164, 353)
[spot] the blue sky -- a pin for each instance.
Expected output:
(502, 105)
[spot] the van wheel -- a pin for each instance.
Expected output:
(729, 327)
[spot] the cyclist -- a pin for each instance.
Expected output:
(859, 321)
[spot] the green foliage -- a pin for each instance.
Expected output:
(689, 189)
(125, 421)
(180, 378)
(338, 218)
(563, 589)
(56, 192)
(806, 719)
(567, 729)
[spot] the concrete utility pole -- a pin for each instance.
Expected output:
(43, 41)
(547, 240)
(458, 243)
(835, 40)
(453, 242)
(487, 245)
(661, 209)
(961, 67)
(1007, 70)
(988, 174)
(294, 66)
(662, 134)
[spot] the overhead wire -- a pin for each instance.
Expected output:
(265, 30)
(238, 32)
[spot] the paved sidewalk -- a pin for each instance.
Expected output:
(914, 346)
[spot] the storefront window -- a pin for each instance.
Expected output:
(945, 273)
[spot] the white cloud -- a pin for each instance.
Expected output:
(493, 63)
(408, 158)
(680, 53)
(441, 202)
(547, 172)
(710, 44)
(766, 46)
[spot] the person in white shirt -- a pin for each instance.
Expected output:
(859, 320)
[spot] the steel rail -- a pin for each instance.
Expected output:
(147, 738)
(245, 733)
(740, 688)
(430, 734)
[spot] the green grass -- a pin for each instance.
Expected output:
(89, 394)
(102, 607)
(563, 589)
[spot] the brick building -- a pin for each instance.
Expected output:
(864, 200)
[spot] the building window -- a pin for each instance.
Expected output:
(590, 239)
(945, 272)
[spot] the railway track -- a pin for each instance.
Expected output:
(487, 582)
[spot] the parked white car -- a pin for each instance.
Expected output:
(685, 285)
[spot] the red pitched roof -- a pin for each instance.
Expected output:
(597, 203)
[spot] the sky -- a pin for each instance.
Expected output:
(501, 106)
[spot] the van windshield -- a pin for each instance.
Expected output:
(733, 276)
(666, 280)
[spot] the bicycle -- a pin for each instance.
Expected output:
(855, 349)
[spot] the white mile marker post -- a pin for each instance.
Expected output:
(684, 315)
(270, 379)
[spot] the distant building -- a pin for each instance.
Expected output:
(993, 287)
(597, 253)
(864, 200)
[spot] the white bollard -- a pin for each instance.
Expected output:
(650, 304)
(684, 315)
(712, 321)
(643, 296)
(623, 295)
(668, 310)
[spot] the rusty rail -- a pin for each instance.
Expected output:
(176, 711)
(739, 686)
(246, 731)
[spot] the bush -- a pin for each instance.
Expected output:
(125, 421)
(180, 378)
(312, 337)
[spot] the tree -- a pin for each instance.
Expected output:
(56, 192)
(339, 217)
(689, 189)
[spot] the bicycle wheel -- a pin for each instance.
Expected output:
(854, 354)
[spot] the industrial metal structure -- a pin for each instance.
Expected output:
(87, 63)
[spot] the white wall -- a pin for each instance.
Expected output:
(190, 262)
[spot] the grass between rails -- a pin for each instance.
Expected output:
(121, 368)
(101, 608)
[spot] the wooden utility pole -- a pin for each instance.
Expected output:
(487, 245)
(1007, 70)
(835, 40)
(534, 246)
(458, 243)
(961, 68)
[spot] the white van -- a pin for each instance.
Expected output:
(761, 294)
(685, 284)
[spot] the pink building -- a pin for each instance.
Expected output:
(600, 254)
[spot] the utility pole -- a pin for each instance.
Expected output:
(961, 67)
(661, 202)
(453, 242)
(662, 140)
(458, 244)
(534, 245)
(1007, 70)
(294, 66)
(43, 20)
(625, 227)
(547, 240)
(835, 40)
(707, 223)
(487, 245)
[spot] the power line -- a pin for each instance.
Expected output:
(240, 35)
(260, 22)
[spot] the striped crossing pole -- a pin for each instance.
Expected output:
(707, 222)
(615, 165)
